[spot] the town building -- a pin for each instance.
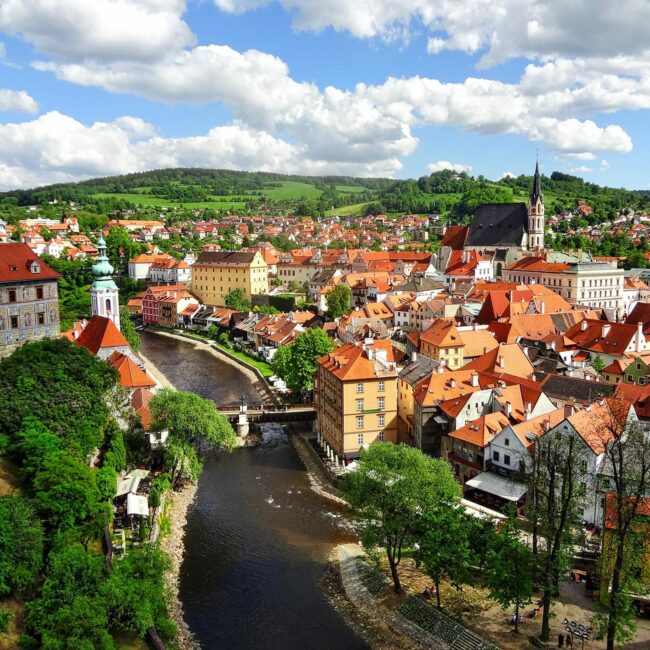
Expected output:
(216, 273)
(355, 392)
(104, 294)
(29, 307)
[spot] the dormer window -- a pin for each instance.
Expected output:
(35, 267)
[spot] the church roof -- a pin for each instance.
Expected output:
(498, 224)
(101, 333)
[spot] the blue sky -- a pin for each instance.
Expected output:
(374, 87)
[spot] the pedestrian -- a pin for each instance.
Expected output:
(569, 640)
(560, 640)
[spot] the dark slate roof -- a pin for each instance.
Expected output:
(416, 370)
(576, 389)
(498, 224)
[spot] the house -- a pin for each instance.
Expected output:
(29, 298)
(171, 271)
(101, 337)
(409, 376)
(355, 393)
(139, 266)
(131, 376)
(443, 343)
(609, 341)
(153, 299)
(217, 273)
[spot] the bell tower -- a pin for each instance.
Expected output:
(104, 293)
(536, 213)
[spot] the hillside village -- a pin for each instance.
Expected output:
(470, 342)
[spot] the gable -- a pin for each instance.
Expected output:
(498, 224)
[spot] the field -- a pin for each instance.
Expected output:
(348, 210)
(147, 201)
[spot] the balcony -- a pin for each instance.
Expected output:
(455, 458)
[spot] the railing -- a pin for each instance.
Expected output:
(267, 408)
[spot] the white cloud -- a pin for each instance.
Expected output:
(445, 164)
(503, 28)
(17, 100)
(507, 175)
(103, 30)
(57, 148)
(582, 169)
(604, 165)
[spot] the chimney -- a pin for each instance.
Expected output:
(414, 356)
(541, 306)
(529, 407)
(452, 383)
(606, 329)
(474, 379)
(508, 409)
(637, 338)
(584, 325)
(501, 362)
(568, 409)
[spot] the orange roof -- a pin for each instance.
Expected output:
(507, 357)
(599, 423)
(131, 376)
(480, 432)
(538, 264)
(455, 237)
(100, 332)
(601, 336)
(442, 333)
(151, 258)
(538, 426)
(352, 362)
(642, 510)
(478, 342)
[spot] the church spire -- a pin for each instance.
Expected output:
(537, 186)
(104, 293)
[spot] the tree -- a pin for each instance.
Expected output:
(121, 248)
(557, 486)
(388, 493)
(443, 544)
(297, 363)
(338, 300)
(626, 479)
(21, 545)
(191, 421)
(34, 444)
(510, 567)
(66, 494)
(236, 299)
(598, 364)
(128, 329)
(71, 613)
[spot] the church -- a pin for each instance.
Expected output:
(505, 232)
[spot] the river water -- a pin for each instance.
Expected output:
(257, 537)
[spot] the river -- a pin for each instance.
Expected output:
(257, 537)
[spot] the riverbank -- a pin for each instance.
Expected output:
(173, 542)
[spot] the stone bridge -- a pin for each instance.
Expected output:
(269, 412)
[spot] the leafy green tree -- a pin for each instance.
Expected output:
(338, 300)
(128, 329)
(510, 568)
(236, 299)
(389, 492)
(21, 545)
(66, 494)
(71, 613)
(65, 384)
(121, 248)
(598, 364)
(443, 544)
(191, 421)
(297, 363)
(34, 444)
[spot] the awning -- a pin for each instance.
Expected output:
(136, 504)
(127, 485)
(498, 485)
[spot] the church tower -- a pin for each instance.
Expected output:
(536, 213)
(104, 292)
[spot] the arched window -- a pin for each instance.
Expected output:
(108, 305)
(27, 320)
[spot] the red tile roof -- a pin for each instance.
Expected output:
(131, 376)
(15, 262)
(100, 332)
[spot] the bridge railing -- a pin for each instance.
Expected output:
(270, 408)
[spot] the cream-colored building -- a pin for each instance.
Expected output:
(593, 284)
(215, 273)
(355, 393)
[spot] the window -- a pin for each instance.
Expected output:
(360, 439)
(506, 459)
(359, 388)
(381, 436)
(380, 387)
(360, 405)
(495, 456)
(14, 322)
(39, 293)
(40, 317)
(360, 422)
(12, 295)
(506, 442)
(381, 419)
(380, 403)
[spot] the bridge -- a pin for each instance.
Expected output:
(270, 412)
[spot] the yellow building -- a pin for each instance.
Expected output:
(355, 392)
(215, 273)
(442, 342)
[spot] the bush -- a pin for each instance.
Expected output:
(5, 617)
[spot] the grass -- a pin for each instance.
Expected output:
(350, 189)
(146, 200)
(124, 641)
(262, 366)
(355, 209)
(292, 190)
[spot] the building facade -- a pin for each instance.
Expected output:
(104, 294)
(29, 298)
(216, 273)
(355, 392)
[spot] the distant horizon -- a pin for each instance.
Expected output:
(368, 89)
